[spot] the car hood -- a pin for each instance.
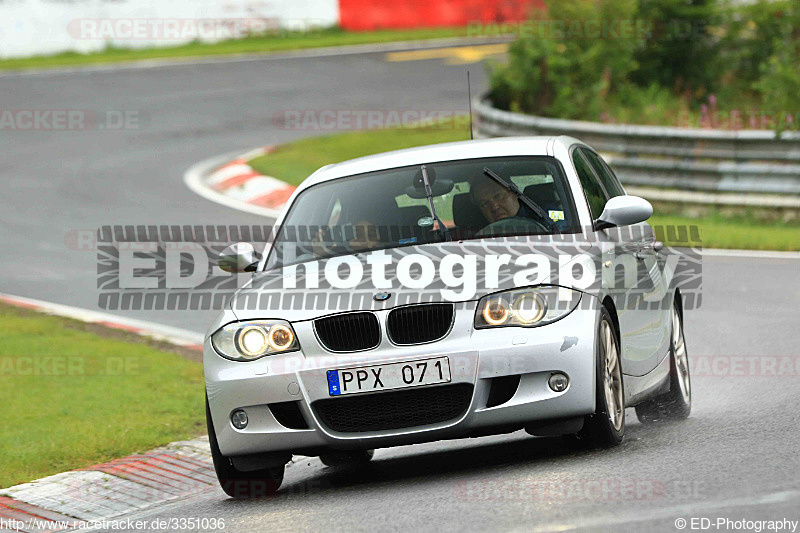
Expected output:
(457, 271)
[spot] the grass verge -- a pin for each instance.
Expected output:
(73, 398)
(273, 42)
(743, 233)
(295, 161)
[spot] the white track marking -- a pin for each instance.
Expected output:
(760, 254)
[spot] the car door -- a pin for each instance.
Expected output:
(655, 290)
(629, 271)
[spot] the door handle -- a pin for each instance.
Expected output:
(655, 246)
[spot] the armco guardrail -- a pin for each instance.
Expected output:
(743, 161)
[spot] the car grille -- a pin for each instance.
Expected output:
(395, 409)
(349, 332)
(416, 324)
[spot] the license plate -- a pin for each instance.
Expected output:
(386, 377)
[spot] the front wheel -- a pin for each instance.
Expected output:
(606, 427)
(238, 484)
(677, 403)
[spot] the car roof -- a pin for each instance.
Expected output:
(471, 149)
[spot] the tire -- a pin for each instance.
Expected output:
(677, 403)
(606, 427)
(238, 484)
(349, 458)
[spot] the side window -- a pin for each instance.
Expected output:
(607, 177)
(591, 186)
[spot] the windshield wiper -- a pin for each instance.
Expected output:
(533, 206)
(429, 196)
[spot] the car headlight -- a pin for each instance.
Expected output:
(246, 341)
(533, 306)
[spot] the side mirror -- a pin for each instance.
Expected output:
(239, 257)
(623, 211)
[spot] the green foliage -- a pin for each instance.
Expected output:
(653, 105)
(687, 60)
(679, 52)
(748, 36)
(569, 66)
(779, 81)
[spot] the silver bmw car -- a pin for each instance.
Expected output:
(447, 291)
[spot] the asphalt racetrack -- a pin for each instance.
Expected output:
(736, 457)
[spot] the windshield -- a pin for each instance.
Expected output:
(390, 208)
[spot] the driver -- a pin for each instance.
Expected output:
(496, 202)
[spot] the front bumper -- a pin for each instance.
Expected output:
(476, 358)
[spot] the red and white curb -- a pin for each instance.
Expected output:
(177, 336)
(119, 486)
(110, 490)
(72, 499)
(230, 181)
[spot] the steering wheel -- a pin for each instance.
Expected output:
(510, 225)
(324, 240)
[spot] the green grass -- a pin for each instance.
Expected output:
(738, 233)
(295, 161)
(273, 42)
(72, 398)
